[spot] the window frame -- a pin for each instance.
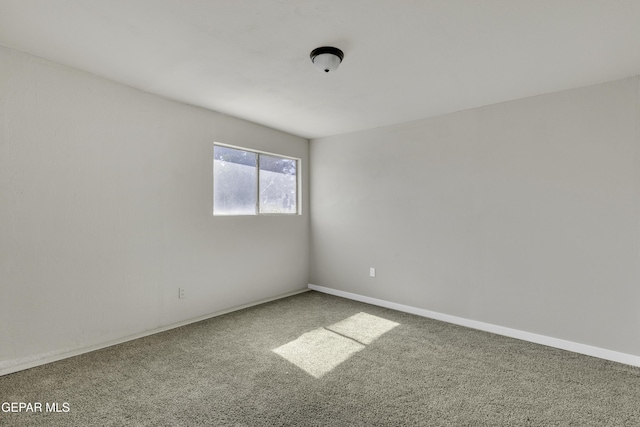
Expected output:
(257, 182)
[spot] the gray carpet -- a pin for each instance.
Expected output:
(380, 368)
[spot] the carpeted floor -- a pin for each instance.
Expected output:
(319, 360)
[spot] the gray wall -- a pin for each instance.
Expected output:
(106, 210)
(524, 214)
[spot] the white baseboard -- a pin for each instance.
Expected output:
(615, 356)
(11, 366)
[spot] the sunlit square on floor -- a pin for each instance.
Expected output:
(319, 351)
(362, 327)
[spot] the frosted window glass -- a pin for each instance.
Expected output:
(234, 181)
(252, 183)
(278, 185)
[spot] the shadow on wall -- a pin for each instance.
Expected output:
(321, 350)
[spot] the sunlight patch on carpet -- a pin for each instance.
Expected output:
(321, 350)
(363, 327)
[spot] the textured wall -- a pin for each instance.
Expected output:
(106, 209)
(524, 214)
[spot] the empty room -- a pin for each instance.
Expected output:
(319, 213)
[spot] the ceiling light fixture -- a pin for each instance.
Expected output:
(326, 58)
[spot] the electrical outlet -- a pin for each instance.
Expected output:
(181, 293)
(372, 272)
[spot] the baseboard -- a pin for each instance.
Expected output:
(34, 361)
(588, 350)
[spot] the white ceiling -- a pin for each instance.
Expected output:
(404, 59)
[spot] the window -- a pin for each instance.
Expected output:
(253, 183)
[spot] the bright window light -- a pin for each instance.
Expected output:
(251, 183)
(278, 185)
